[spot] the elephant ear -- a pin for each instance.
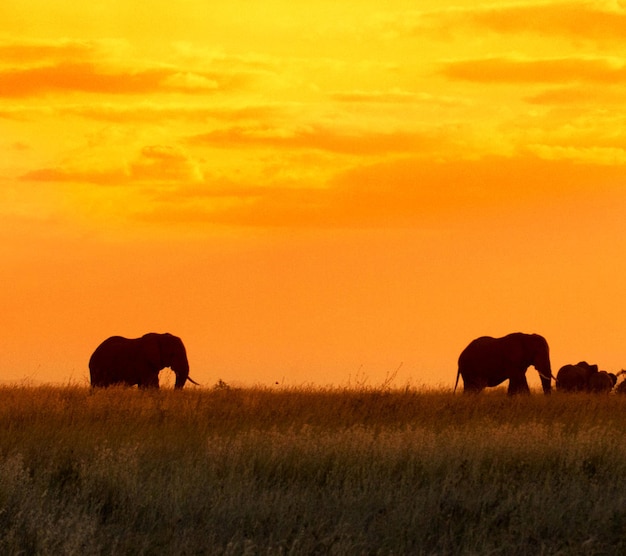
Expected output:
(590, 368)
(152, 350)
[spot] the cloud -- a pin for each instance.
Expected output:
(321, 138)
(165, 163)
(169, 189)
(399, 194)
(154, 165)
(197, 56)
(578, 95)
(574, 20)
(31, 67)
(76, 175)
(19, 113)
(27, 51)
(395, 97)
(158, 112)
(545, 70)
(580, 133)
(91, 78)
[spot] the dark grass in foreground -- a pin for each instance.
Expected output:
(310, 472)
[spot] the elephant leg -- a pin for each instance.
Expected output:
(518, 385)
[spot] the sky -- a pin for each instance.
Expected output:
(311, 193)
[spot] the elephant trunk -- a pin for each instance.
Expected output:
(546, 381)
(545, 374)
(541, 362)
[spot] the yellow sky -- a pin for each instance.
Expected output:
(311, 192)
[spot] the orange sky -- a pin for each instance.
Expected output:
(311, 192)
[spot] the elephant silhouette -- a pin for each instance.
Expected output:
(137, 361)
(488, 362)
(584, 377)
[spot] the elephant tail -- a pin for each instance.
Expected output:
(458, 373)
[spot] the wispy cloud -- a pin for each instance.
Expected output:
(165, 163)
(91, 78)
(322, 138)
(170, 187)
(574, 20)
(544, 70)
(395, 97)
(155, 165)
(157, 112)
(17, 113)
(577, 20)
(580, 132)
(578, 95)
(403, 193)
(27, 51)
(60, 174)
(31, 67)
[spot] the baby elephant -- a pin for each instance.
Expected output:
(602, 382)
(584, 377)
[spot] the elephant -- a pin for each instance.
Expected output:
(130, 361)
(488, 362)
(575, 378)
(584, 377)
(602, 382)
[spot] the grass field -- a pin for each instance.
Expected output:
(305, 471)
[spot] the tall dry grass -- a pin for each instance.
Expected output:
(307, 471)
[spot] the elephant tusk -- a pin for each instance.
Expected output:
(192, 381)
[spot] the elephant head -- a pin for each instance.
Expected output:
(537, 347)
(488, 361)
(138, 361)
(167, 350)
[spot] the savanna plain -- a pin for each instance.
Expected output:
(310, 471)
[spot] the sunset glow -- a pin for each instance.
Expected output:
(311, 192)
